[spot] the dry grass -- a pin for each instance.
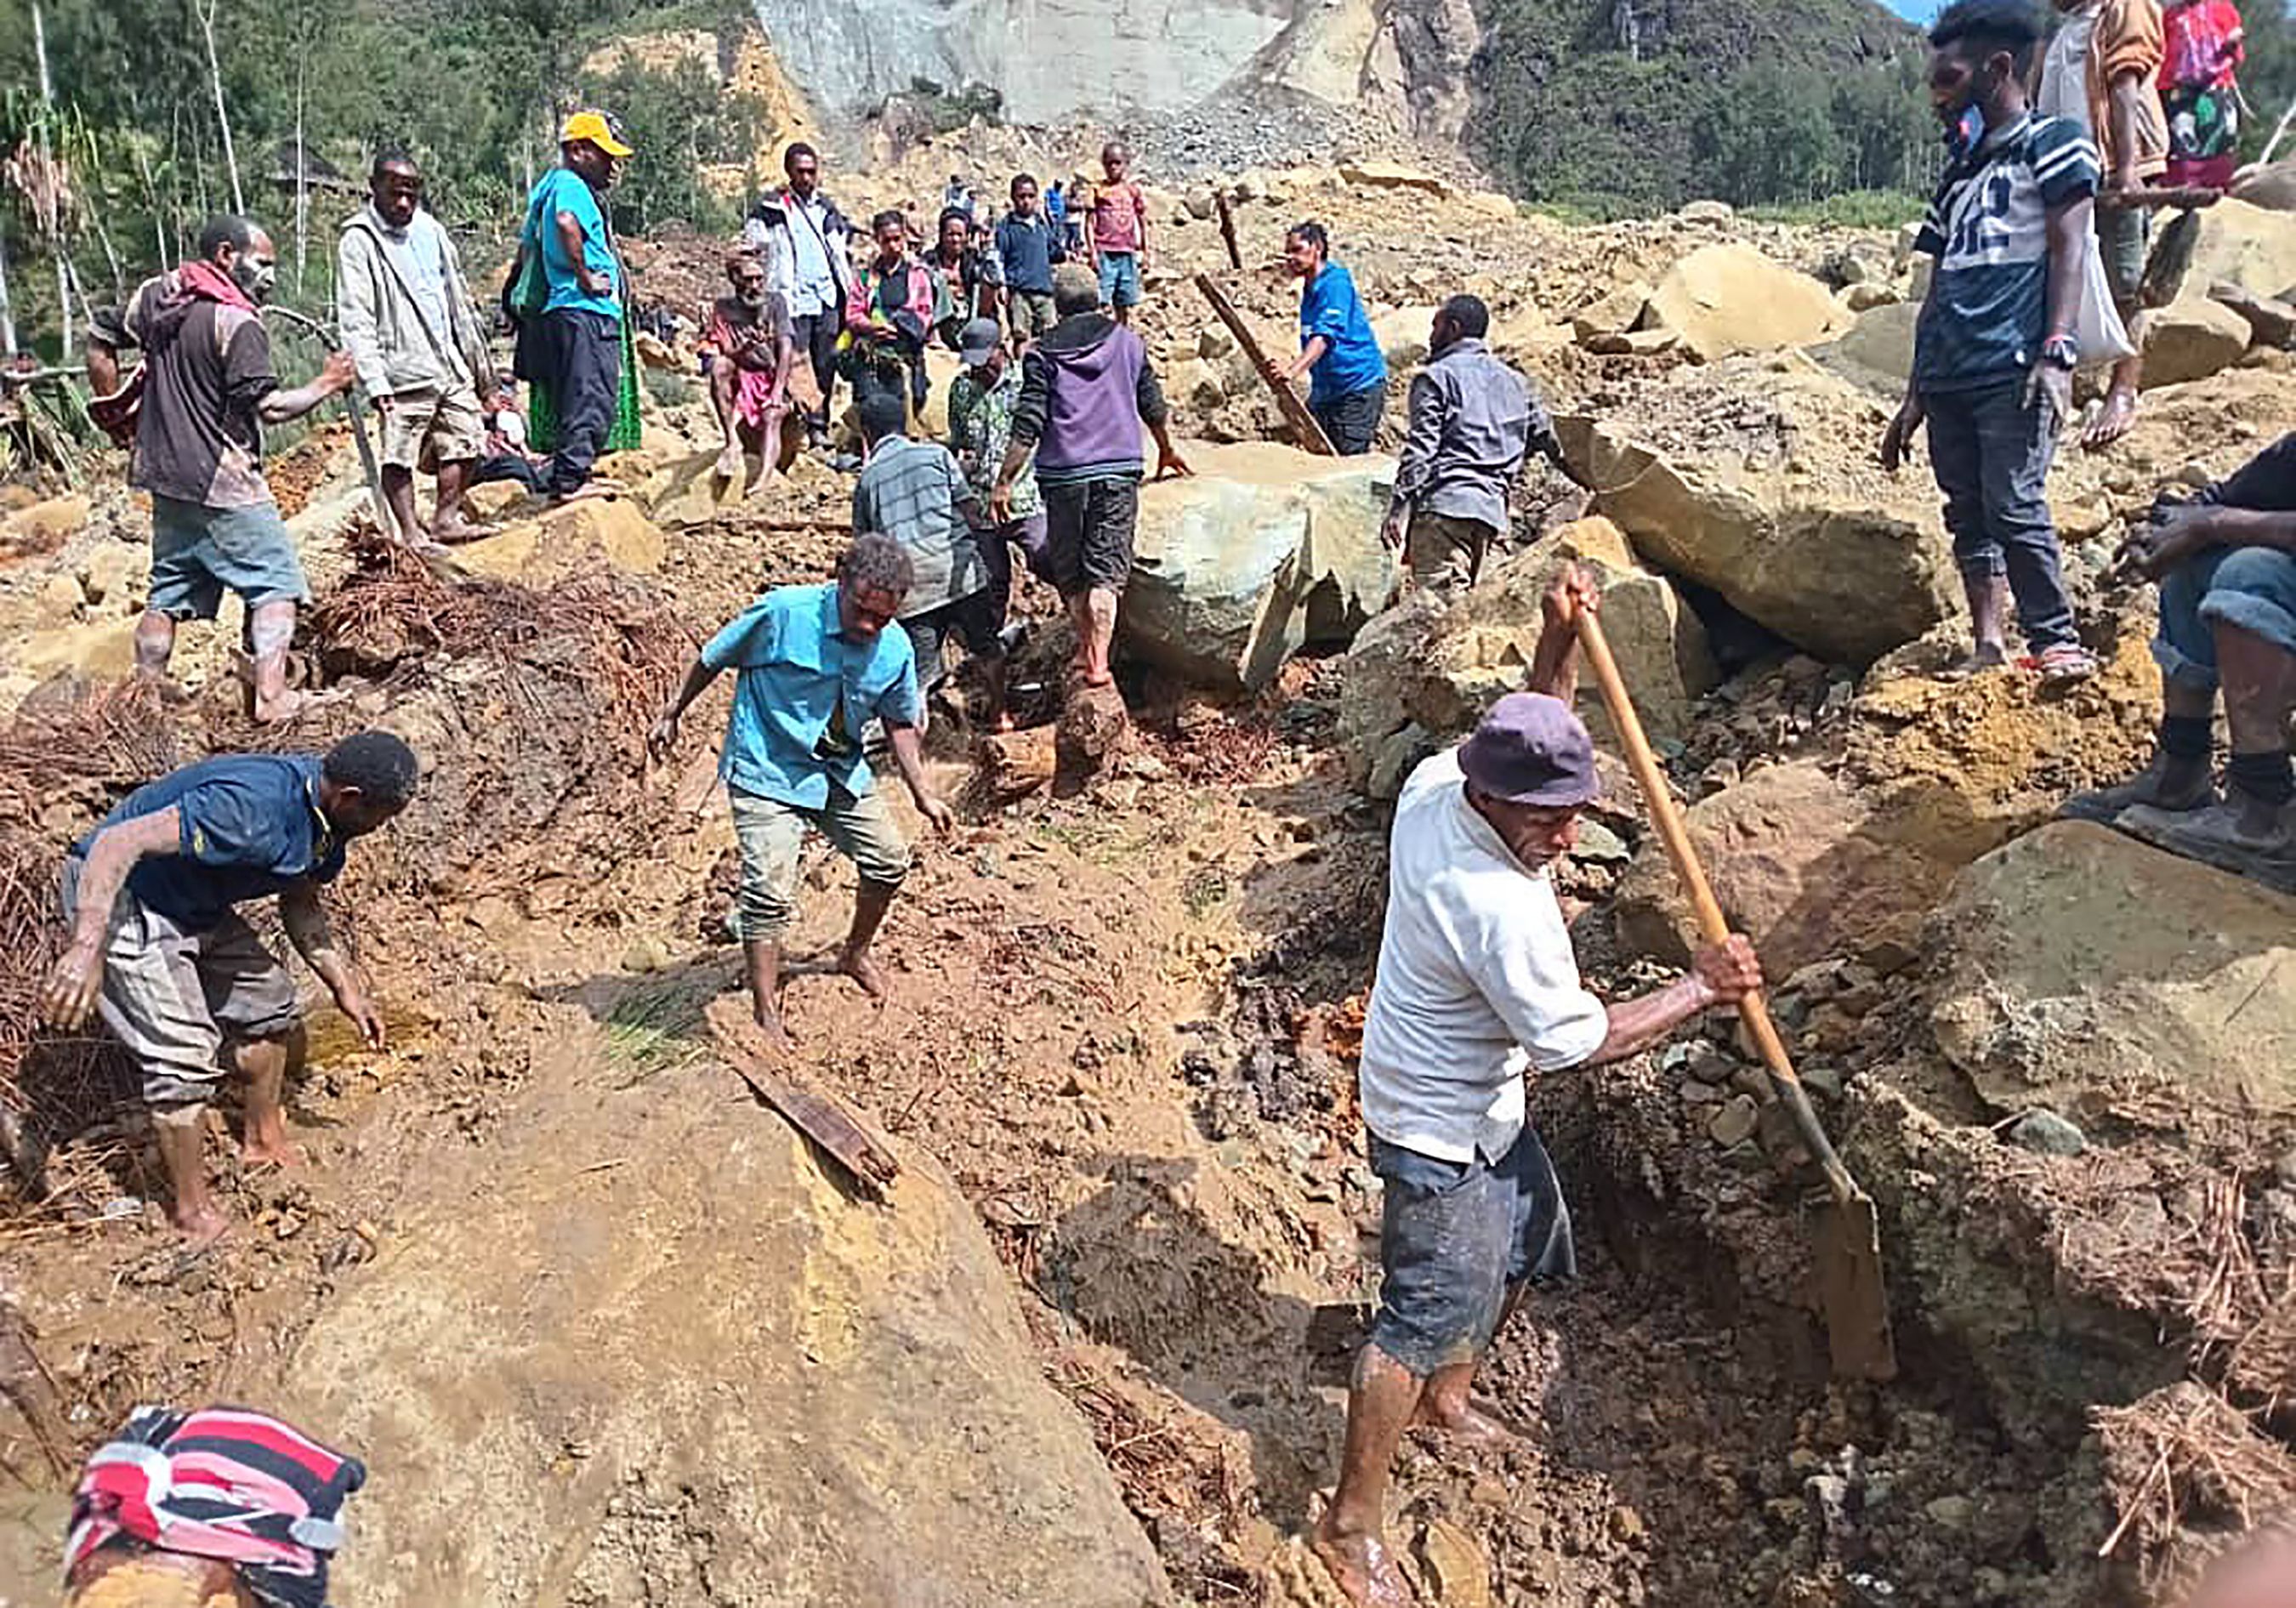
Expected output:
(2184, 1458)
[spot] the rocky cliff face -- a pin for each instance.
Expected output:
(1046, 57)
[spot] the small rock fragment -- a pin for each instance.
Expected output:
(2048, 1134)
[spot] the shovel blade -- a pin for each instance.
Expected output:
(1857, 1301)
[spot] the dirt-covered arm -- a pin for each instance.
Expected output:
(303, 914)
(69, 995)
(909, 757)
(1719, 975)
(699, 675)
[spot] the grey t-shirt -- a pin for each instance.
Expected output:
(909, 490)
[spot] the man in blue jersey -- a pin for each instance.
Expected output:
(814, 665)
(1348, 388)
(1997, 344)
(159, 949)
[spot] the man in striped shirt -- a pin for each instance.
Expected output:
(1997, 344)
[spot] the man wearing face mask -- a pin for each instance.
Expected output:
(1478, 988)
(1997, 340)
(207, 391)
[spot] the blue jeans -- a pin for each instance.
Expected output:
(1455, 1238)
(2252, 587)
(1992, 454)
(1119, 279)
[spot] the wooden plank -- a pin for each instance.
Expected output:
(820, 1116)
(1305, 430)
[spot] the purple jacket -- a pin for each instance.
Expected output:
(1087, 387)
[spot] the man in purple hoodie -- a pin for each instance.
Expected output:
(1087, 387)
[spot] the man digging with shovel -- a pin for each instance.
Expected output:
(1477, 981)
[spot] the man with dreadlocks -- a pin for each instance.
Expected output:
(159, 947)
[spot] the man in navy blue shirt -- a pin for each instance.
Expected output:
(1347, 390)
(158, 947)
(1997, 340)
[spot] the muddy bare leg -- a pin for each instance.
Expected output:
(450, 521)
(270, 631)
(1100, 634)
(1988, 610)
(265, 1063)
(155, 643)
(1446, 1404)
(1381, 1400)
(762, 958)
(723, 379)
(870, 904)
(2260, 688)
(993, 669)
(182, 1137)
(399, 493)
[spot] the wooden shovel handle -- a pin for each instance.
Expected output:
(1753, 1009)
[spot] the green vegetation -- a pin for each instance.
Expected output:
(1607, 109)
(472, 87)
(1621, 106)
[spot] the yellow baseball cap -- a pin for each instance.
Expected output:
(593, 126)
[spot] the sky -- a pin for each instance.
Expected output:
(1914, 10)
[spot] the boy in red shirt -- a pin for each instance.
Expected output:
(1118, 233)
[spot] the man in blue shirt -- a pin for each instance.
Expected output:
(1997, 339)
(1349, 389)
(158, 947)
(576, 352)
(815, 664)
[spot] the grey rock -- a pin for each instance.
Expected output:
(2049, 1134)
(1735, 1122)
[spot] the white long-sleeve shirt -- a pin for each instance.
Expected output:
(1477, 981)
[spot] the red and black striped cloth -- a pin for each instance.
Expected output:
(223, 1482)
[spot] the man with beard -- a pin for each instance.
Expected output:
(207, 388)
(747, 351)
(422, 356)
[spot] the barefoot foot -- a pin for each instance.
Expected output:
(202, 1227)
(2114, 420)
(1361, 1567)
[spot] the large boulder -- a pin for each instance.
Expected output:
(1755, 477)
(614, 531)
(1877, 351)
(2091, 975)
(1425, 672)
(1402, 335)
(590, 1371)
(2245, 245)
(1808, 869)
(1723, 299)
(1264, 550)
(2191, 338)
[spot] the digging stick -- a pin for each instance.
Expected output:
(1304, 429)
(354, 404)
(1848, 1242)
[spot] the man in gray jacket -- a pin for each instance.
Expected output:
(1472, 421)
(421, 354)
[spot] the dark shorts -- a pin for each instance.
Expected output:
(1455, 1238)
(1351, 422)
(1089, 527)
(973, 621)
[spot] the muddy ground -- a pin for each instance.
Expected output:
(1120, 1023)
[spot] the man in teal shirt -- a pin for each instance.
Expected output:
(574, 352)
(815, 665)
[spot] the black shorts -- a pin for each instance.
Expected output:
(1351, 422)
(1089, 527)
(973, 621)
